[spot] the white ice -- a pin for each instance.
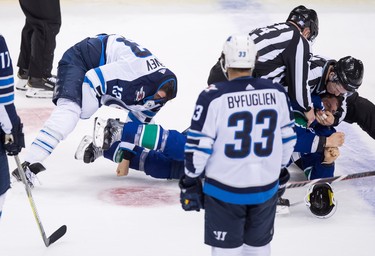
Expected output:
(188, 39)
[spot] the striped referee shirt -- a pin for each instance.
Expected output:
(283, 58)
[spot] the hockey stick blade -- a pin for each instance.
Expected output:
(297, 184)
(56, 235)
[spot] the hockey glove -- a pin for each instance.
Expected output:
(283, 179)
(14, 142)
(126, 151)
(191, 196)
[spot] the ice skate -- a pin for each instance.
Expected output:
(40, 87)
(282, 206)
(87, 151)
(31, 170)
(22, 76)
(107, 132)
(85, 142)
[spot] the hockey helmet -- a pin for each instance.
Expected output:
(349, 72)
(239, 52)
(305, 18)
(320, 200)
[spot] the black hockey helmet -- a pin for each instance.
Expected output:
(349, 72)
(320, 200)
(305, 18)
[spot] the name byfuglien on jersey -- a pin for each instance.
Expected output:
(251, 99)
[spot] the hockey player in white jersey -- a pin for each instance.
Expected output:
(102, 70)
(241, 135)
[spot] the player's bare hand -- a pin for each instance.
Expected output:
(337, 139)
(325, 118)
(123, 168)
(330, 155)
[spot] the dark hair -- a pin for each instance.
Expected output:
(170, 89)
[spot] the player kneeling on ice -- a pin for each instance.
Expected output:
(102, 70)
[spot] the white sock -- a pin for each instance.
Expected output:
(216, 251)
(257, 251)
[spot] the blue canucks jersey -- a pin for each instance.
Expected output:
(241, 134)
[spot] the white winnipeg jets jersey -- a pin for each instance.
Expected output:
(241, 135)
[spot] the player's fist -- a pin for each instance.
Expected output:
(331, 154)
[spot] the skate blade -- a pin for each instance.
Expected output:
(85, 142)
(282, 210)
(99, 127)
(38, 93)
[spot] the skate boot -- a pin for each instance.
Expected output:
(92, 153)
(85, 142)
(283, 201)
(282, 206)
(31, 170)
(22, 75)
(87, 151)
(41, 87)
(107, 132)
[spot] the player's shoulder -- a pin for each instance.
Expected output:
(240, 84)
(321, 58)
(262, 83)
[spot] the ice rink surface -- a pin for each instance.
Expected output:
(137, 215)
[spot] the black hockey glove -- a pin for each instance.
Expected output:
(191, 196)
(14, 142)
(283, 179)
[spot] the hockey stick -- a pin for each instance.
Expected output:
(296, 184)
(58, 233)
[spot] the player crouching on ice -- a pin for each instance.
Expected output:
(106, 70)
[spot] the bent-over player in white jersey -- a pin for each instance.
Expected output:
(102, 70)
(241, 135)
